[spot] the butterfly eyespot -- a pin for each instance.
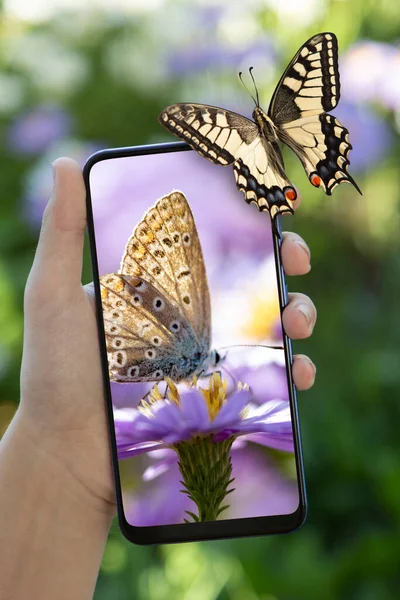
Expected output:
(167, 242)
(116, 315)
(186, 239)
(158, 374)
(133, 371)
(119, 303)
(120, 358)
(157, 270)
(186, 299)
(156, 341)
(184, 273)
(113, 329)
(118, 343)
(159, 253)
(290, 194)
(176, 238)
(174, 326)
(141, 286)
(137, 300)
(150, 354)
(110, 280)
(158, 304)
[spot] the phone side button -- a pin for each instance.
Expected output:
(285, 294)
(290, 352)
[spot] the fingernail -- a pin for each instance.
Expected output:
(304, 247)
(310, 362)
(307, 312)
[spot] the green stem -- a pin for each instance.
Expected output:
(206, 468)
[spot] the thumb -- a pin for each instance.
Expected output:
(57, 266)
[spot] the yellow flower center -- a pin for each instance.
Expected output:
(214, 396)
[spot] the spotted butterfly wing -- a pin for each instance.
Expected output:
(308, 89)
(227, 138)
(156, 309)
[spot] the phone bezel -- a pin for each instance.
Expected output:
(189, 532)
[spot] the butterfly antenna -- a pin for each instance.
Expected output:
(252, 346)
(255, 87)
(247, 89)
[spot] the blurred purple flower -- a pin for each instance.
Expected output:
(190, 60)
(267, 381)
(390, 88)
(128, 395)
(205, 412)
(160, 501)
(33, 131)
(370, 72)
(260, 489)
(370, 135)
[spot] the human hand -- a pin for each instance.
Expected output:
(62, 403)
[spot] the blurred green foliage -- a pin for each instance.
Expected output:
(350, 546)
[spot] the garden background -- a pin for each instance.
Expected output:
(76, 77)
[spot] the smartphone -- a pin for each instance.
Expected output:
(201, 405)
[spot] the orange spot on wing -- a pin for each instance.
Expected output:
(290, 194)
(316, 180)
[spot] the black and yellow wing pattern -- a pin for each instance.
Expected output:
(297, 116)
(227, 138)
(308, 89)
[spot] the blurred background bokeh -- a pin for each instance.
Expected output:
(80, 76)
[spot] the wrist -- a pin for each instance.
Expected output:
(49, 521)
(44, 458)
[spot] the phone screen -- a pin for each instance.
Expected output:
(200, 386)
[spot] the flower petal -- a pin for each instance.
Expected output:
(195, 411)
(230, 413)
(271, 440)
(128, 450)
(158, 469)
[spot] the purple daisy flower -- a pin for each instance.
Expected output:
(194, 412)
(196, 435)
(33, 131)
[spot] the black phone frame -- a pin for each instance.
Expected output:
(190, 532)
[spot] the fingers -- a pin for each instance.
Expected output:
(299, 317)
(295, 254)
(58, 259)
(303, 371)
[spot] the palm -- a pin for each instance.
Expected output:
(61, 372)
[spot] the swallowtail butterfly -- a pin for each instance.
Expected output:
(297, 116)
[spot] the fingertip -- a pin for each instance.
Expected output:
(299, 316)
(304, 372)
(296, 255)
(68, 195)
(65, 162)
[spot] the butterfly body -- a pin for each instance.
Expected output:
(297, 116)
(265, 125)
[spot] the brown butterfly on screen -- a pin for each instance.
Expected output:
(156, 309)
(297, 116)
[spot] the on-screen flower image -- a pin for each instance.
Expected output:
(200, 423)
